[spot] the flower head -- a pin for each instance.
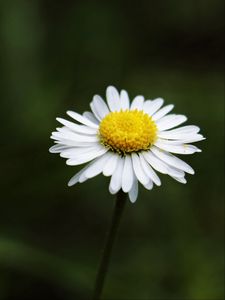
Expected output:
(126, 141)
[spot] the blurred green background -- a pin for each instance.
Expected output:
(55, 55)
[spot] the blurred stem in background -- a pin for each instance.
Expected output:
(38, 263)
(105, 259)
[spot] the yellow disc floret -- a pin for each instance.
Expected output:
(128, 131)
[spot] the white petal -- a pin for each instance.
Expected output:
(57, 148)
(149, 171)
(172, 160)
(70, 143)
(86, 157)
(134, 191)
(95, 111)
(180, 136)
(128, 174)
(170, 121)
(77, 128)
(113, 98)
(111, 164)
(184, 140)
(76, 177)
(138, 170)
(193, 139)
(97, 166)
(74, 152)
(91, 117)
(152, 106)
(180, 179)
(186, 130)
(161, 166)
(179, 149)
(74, 137)
(149, 185)
(173, 172)
(65, 129)
(99, 107)
(116, 179)
(124, 99)
(137, 103)
(162, 112)
(146, 106)
(171, 142)
(81, 119)
(155, 163)
(83, 178)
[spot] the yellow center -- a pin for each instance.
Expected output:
(128, 131)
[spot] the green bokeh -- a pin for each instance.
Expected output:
(55, 55)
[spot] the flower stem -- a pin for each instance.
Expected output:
(104, 263)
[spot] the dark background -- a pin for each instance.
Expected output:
(55, 55)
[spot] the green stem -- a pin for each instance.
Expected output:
(104, 263)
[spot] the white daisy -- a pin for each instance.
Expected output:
(126, 141)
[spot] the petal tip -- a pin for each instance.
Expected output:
(69, 112)
(132, 200)
(51, 150)
(70, 182)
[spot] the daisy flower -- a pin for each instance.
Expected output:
(128, 141)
